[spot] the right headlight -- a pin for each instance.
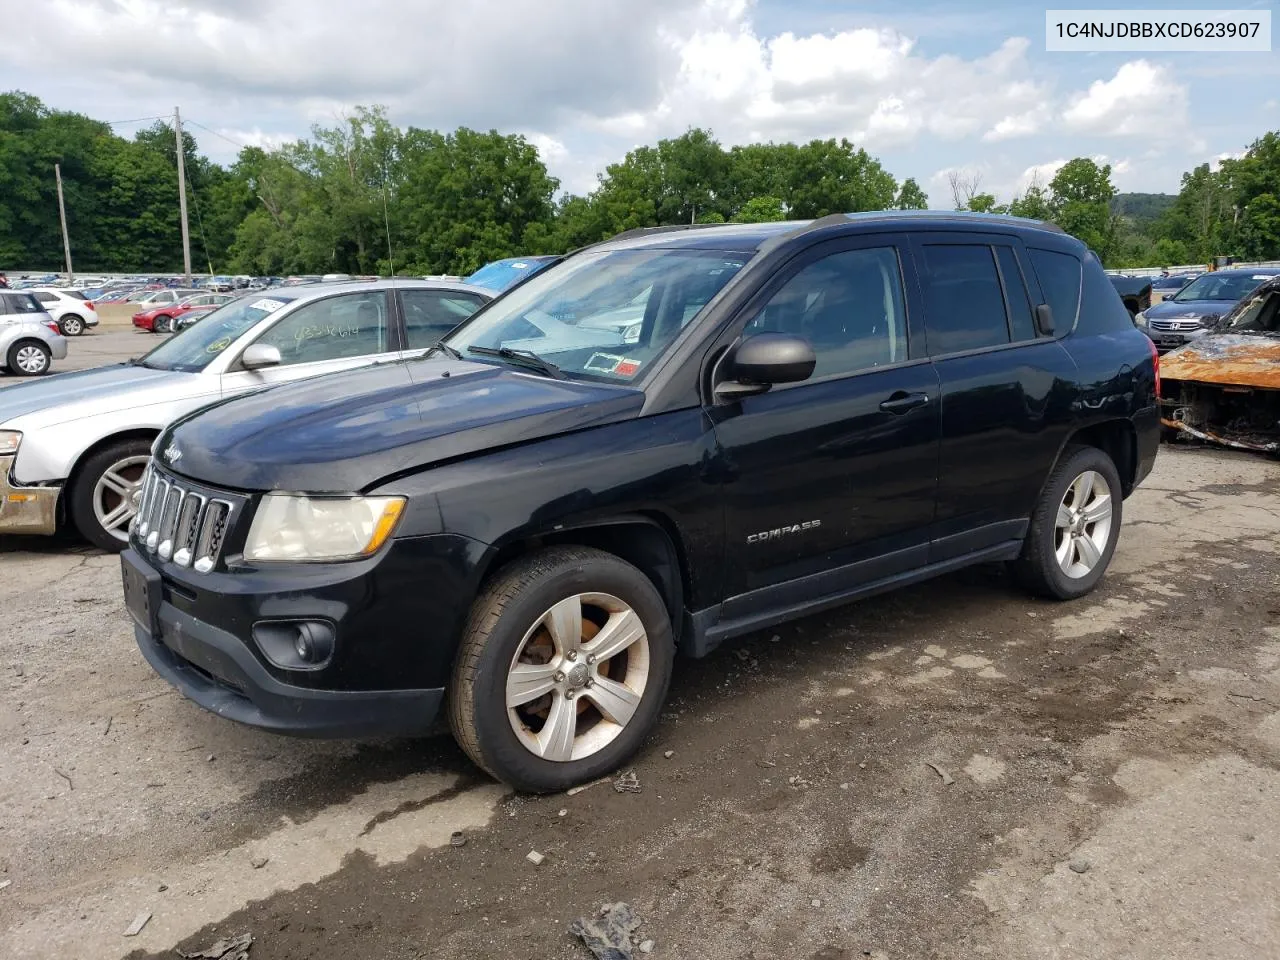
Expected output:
(9, 441)
(301, 529)
(1140, 318)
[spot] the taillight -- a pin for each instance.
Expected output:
(88, 305)
(1155, 359)
(54, 327)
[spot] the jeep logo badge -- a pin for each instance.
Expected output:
(172, 453)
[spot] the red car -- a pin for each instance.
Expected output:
(159, 319)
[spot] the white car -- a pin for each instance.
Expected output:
(73, 447)
(70, 309)
(29, 339)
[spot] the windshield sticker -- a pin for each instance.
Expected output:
(602, 363)
(627, 368)
(218, 345)
(267, 304)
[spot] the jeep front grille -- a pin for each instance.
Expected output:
(179, 523)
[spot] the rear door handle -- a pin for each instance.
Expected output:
(902, 402)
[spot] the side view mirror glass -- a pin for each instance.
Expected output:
(259, 355)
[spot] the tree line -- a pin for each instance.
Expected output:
(367, 197)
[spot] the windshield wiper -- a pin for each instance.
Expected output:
(443, 348)
(524, 358)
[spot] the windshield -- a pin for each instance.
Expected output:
(1216, 286)
(1260, 313)
(605, 315)
(195, 347)
(504, 273)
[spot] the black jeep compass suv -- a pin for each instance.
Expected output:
(662, 441)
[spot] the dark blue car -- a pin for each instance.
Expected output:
(501, 274)
(1197, 307)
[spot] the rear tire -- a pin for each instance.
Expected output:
(29, 358)
(103, 484)
(71, 325)
(515, 635)
(1075, 527)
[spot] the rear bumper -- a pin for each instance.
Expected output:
(58, 348)
(27, 509)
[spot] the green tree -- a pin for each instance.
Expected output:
(911, 197)
(761, 210)
(1080, 203)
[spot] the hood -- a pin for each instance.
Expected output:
(1237, 359)
(1190, 309)
(84, 393)
(345, 432)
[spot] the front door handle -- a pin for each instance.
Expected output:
(902, 402)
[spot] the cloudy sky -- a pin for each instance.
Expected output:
(926, 86)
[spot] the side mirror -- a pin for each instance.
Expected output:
(1044, 319)
(259, 355)
(763, 360)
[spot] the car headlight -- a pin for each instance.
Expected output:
(298, 528)
(1140, 318)
(9, 440)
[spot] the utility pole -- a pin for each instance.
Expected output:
(62, 214)
(182, 196)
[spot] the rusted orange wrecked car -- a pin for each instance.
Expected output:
(1224, 387)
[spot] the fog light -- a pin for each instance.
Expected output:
(295, 644)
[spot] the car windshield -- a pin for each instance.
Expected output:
(195, 347)
(1216, 286)
(1260, 313)
(601, 316)
(502, 274)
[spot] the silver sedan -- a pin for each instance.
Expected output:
(74, 447)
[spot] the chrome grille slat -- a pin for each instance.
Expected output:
(188, 528)
(184, 523)
(169, 520)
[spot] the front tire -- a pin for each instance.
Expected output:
(29, 358)
(562, 670)
(1075, 526)
(71, 325)
(161, 324)
(105, 493)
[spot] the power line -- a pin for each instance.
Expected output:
(113, 123)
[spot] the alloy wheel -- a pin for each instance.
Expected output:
(117, 494)
(1083, 525)
(577, 677)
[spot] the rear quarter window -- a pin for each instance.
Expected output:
(1059, 275)
(1101, 309)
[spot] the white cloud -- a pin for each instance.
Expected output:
(1016, 125)
(1142, 99)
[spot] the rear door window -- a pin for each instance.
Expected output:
(964, 301)
(430, 314)
(22, 303)
(1059, 275)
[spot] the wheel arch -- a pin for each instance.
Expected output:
(136, 433)
(1118, 439)
(650, 542)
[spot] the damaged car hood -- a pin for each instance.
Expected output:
(1235, 359)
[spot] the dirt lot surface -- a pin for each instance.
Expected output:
(950, 771)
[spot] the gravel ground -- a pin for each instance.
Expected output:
(952, 770)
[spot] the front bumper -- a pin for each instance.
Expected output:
(394, 640)
(144, 323)
(26, 509)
